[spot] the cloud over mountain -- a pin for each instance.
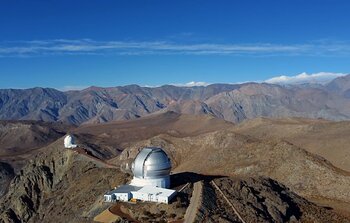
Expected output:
(193, 84)
(321, 77)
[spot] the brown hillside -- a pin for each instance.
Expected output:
(231, 154)
(111, 138)
(61, 182)
(328, 139)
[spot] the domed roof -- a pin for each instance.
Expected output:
(69, 142)
(151, 163)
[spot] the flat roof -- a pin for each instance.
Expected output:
(156, 190)
(123, 189)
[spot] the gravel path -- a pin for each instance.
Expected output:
(195, 202)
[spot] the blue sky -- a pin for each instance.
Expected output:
(73, 44)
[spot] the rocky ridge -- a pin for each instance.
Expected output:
(259, 199)
(55, 185)
(232, 102)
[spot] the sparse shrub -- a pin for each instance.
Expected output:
(172, 215)
(147, 213)
(144, 218)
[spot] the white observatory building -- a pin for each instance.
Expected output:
(69, 142)
(151, 169)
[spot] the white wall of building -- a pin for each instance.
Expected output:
(163, 182)
(117, 197)
(154, 194)
(150, 197)
(107, 198)
(122, 196)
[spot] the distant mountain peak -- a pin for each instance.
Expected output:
(231, 102)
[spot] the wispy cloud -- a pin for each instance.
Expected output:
(92, 47)
(188, 84)
(321, 77)
(72, 88)
(192, 84)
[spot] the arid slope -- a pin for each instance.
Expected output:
(60, 182)
(59, 185)
(107, 140)
(328, 139)
(19, 137)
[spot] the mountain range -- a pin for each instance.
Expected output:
(231, 102)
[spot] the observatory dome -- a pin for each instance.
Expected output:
(69, 142)
(151, 166)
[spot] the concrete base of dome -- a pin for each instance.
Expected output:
(163, 182)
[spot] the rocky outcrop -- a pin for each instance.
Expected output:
(6, 175)
(259, 200)
(58, 182)
(28, 189)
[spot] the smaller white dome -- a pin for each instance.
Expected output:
(69, 142)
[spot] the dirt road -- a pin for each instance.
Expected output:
(195, 202)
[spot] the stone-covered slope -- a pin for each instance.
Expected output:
(58, 184)
(259, 199)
